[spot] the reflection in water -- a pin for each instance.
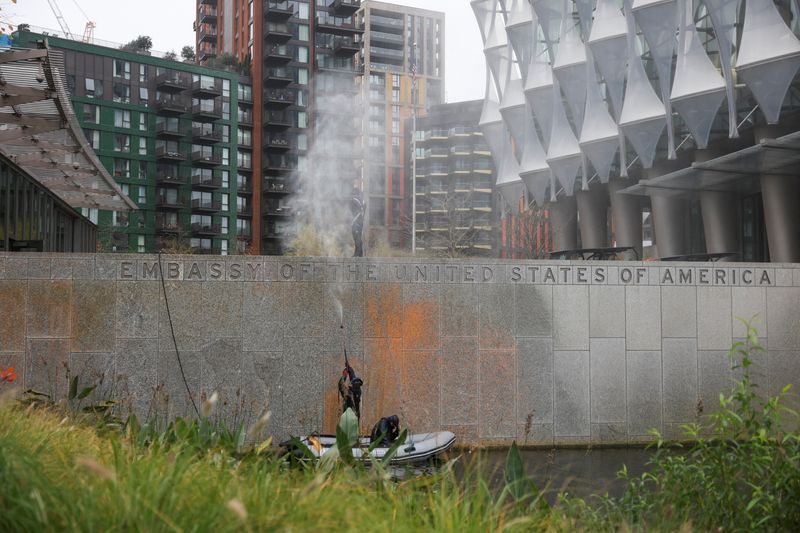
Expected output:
(579, 472)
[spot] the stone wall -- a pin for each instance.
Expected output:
(543, 352)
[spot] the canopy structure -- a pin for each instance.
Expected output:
(40, 132)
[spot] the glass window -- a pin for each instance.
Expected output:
(302, 141)
(91, 113)
(140, 244)
(226, 88)
(142, 170)
(302, 11)
(122, 69)
(226, 156)
(302, 32)
(142, 145)
(302, 54)
(122, 168)
(302, 119)
(142, 73)
(245, 137)
(122, 92)
(225, 202)
(142, 195)
(122, 143)
(93, 136)
(94, 88)
(302, 76)
(122, 118)
(143, 121)
(144, 96)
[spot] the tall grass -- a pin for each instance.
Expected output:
(61, 471)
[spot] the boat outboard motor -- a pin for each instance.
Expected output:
(350, 388)
(386, 430)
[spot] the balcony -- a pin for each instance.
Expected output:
(164, 177)
(279, 99)
(206, 51)
(244, 209)
(203, 250)
(382, 38)
(207, 89)
(206, 135)
(337, 26)
(279, 211)
(170, 106)
(278, 186)
(167, 227)
(207, 111)
(244, 187)
(278, 11)
(278, 77)
(392, 24)
(205, 181)
(206, 159)
(207, 14)
(276, 142)
(207, 33)
(170, 202)
(277, 121)
(208, 3)
(199, 228)
(211, 206)
(165, 154)
(166, 130)
(172, 82)
(278, 169)
(345, 8)
(346, 47)
(277, 56)
(245, 118)
(277, 33)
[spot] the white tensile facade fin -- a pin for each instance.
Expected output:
(512, 104)
(723, 15)
(768, 58)
(607, 43)
(563, 154)
(491, 122)
(509, 183)
(643, 117)
(599, 138)
(534, 171)
(585, 8)
(570, 68)
(698, 89)
(549, 14)
(482, 10)
(658, 20)
(518, 28)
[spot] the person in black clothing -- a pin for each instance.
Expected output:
(350, 390)
(357, 208)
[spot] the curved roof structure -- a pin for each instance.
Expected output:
(40, 132)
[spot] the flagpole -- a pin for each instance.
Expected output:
(414, 154)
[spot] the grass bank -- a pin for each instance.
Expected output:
(61, 470)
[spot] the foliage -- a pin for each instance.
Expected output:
(171, 56)
(142, 43)
(187, 53)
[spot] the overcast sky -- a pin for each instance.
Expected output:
(171, 29)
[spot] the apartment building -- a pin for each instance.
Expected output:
(176, 137)
(400, 44)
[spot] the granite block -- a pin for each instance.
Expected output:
(496, 414)
(715, 377)
(680, 380)
(381, 303)
(2, 268)
(221, 372)
(93, 370)
(749, 304)
(262, 391)
(533, 310)
(39, 268)
(608, 433)
(15, 360)
(187, 313)
(136, 366)
(137, 310)
(16, 268)
(534, 381)
(570, 320)
(643, 317)
(302, 304)
(106, 269)
(82, 268)
(714, 326)
(783, 316)
(459, 381)
(784, 369)
(93, 316)
(606, 311)
(303, 398)
(420, 321)
(222, 305)
(459, 310)
(571, 407)
(173, 397)
(48, 309)
(47, 367)
(796, 277)
(607, 359)
(13, 294)
(679, 311)
(383, 378)
(421, 386)
(644, 392)
(262, 316)
(783, 277)
(61, 268)
(535, 434)
(496, 317)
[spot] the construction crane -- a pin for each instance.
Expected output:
(88, 32)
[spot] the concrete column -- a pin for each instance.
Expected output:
(627, 213)
(721, 224)
(564, 223)
(593, 219)
(781, 198)
(669, 214)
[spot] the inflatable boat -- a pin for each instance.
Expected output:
(417, 448)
